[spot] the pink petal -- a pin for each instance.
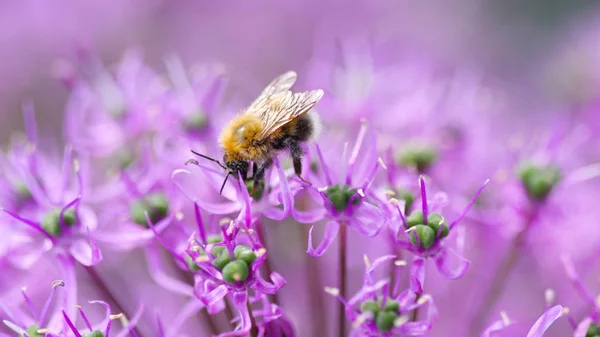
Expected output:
(544, 322)
(417, 275)
(87, 253)
(331, 232)
(158, 274)
(443, 261)
(583, 327)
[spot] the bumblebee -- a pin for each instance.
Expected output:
(278, 120)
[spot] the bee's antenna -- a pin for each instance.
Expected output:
(224, 181)
(209, 158)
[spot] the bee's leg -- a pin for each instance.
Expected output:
(260, 174)
(254, 168)
(297, 153)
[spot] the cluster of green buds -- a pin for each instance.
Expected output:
(385, 317)
(419, 157)
(157, 206)
(426, 231)
(234, 269)
(538, 180)
(51, 220)
(340, 196)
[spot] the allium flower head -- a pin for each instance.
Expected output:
(381, 309)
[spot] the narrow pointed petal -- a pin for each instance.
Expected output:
(451, 269)
(545, 321)
(331, 232)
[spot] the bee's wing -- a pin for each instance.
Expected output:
(281, 83)
(284, 107)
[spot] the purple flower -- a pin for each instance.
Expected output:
(37, 322)
(230, 266)
(59, 220)
(426, 239)
(348, 201)
(378, 310)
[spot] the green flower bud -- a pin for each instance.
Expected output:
(245, 254)
(214, 238)
(32, 331)
(417, 156)
(426, 236)
(51, 220)
(538, 180)
(392, 305)
(434, 221)
(314, 166)
(216, 250)
(370, 305)
(408, 197)
(155, 204)
(222, 259)
(235, 271)
(123, 159)
(593, 330)
(385, 320)
(196, 121)
(191, 264)
(21, 190)
(94, 333)
(255, 193)
(340, 196)
(415, 218)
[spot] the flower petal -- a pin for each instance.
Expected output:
(582, 328)
(442, 262)
(417, 275)
(213, 298)
(270, 288)
(544, 322)
(331, 232)
(87, 253)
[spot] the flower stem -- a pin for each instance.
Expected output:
(415, 314)
(267, 264)
(500, 277)
(315, 286)
(109, 296)
(254, 329)
(342, 278)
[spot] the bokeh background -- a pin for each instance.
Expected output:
(510, 42)
(543, 56)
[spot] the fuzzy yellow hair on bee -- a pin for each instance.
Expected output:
(277, 120)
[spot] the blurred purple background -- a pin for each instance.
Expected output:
(509, 41)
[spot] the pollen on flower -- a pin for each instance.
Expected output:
(549, 295)
(179, 215)
(400, 263)
(504, 317)
(58, 283)
(424, 299)
(116, 316)
(361, 192)
(202, 258)
(332, 291)
(565, 311)
(260, 252)
(401, 320)
(43, 331)
(366, 259)
(382, 163)
(362, 318)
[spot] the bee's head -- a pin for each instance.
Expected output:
(235, 166)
